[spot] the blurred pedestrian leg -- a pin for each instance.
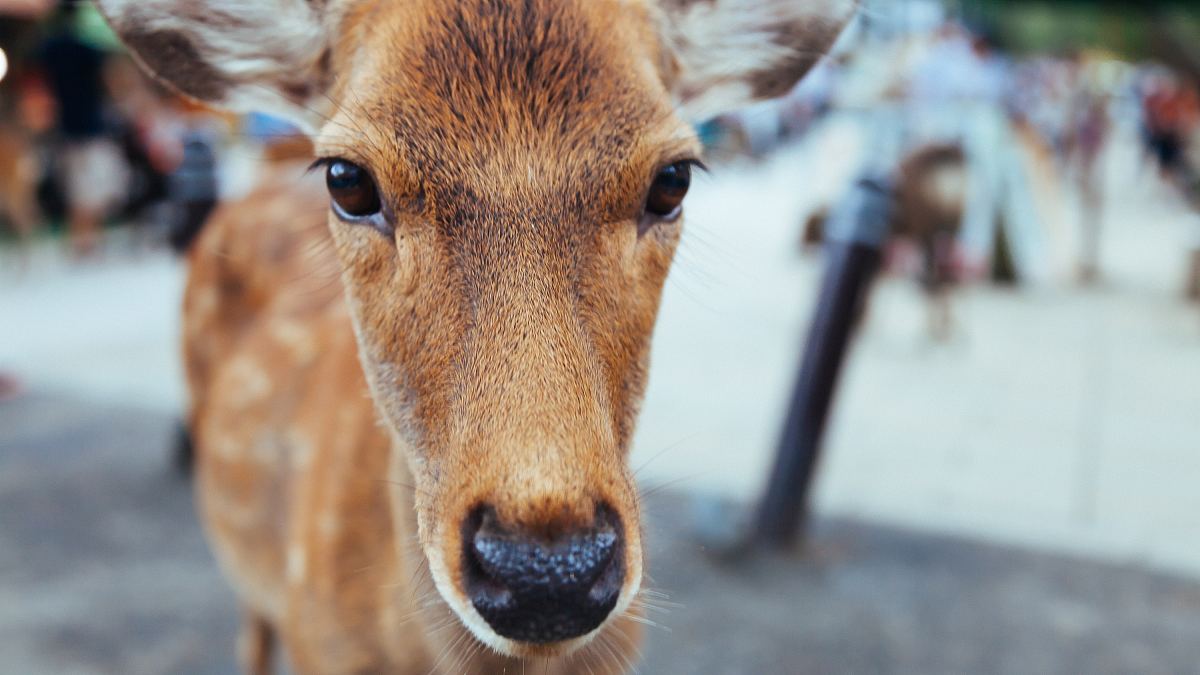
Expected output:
(94, 179)
(999, 195)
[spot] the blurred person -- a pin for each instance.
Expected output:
(25, 8)
(1172, 114)
(956, 74)
(1091, 127)
(1001, 224)
(151, 130)
(193, 185)
(1158, 129)
(1041, 100)
(1171, 128)
(1192, 286)
(92, 168)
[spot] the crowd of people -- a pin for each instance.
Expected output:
(1015, 119)
(87, 139)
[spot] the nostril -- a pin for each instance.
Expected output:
(608, 586)
(482, 587)
(537, 590)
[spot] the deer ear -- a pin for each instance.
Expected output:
(266, 55)
(729, 53)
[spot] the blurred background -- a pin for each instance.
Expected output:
(1010, 478)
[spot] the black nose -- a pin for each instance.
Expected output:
(539, 590)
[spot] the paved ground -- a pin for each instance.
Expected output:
(103, 571)
(105, 329)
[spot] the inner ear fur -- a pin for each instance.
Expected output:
(268, 55)
(730, 53)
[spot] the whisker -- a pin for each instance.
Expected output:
(403, 485)
(656, 489)
(659, 601)
(611, 649)
(447, 651)
(662, 452)
(631, 650)
(644, 621)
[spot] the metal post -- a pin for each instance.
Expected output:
(854, 241)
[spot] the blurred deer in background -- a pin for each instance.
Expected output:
(18, 186)
(423, 467)
(930, 199)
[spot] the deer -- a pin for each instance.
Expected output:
(413, 389)
(927, 192)
(18, 188)
(930, 195)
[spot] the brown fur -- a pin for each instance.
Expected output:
(18, 183)
(930, 197)
(359, 391)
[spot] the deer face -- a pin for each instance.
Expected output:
(507, 182)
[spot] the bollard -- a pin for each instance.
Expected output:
(855, 236)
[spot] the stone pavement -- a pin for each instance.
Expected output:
(105, 330)
(103, 571)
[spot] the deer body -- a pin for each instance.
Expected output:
(18, 183)
(413, 396)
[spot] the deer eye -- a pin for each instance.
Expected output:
(669, 188)
(352, 189)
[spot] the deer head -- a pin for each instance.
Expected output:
(506, 181)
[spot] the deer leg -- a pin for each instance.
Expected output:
(24, 218)
(256, 645)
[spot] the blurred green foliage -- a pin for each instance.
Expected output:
(1143, 29)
